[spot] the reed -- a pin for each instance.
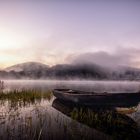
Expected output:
(117, 125)
(2, 86)
(23, 97)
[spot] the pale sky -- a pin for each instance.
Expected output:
(53, 31)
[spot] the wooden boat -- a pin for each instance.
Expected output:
(86, 98)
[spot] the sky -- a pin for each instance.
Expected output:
(64, 31)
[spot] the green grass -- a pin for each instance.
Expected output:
(25, 95)
(119, 126)
(24, 98)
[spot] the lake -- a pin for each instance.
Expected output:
(49, 118)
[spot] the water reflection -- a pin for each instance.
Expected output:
(35, 118)
(107, 120)
(23, 119)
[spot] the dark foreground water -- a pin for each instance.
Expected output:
(51, 119)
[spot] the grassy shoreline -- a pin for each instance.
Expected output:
(25, 95)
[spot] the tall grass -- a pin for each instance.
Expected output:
(21, 98)
(16, 99)
(2, 86)
(119, 126)
(27, 95)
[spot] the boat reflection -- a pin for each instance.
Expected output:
(102, 118)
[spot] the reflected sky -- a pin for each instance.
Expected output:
(18, 120)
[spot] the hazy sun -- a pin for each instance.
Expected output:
(9, 39)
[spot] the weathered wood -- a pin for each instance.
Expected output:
(80, 97)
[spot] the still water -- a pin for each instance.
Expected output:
(49, 119)
(109, 86)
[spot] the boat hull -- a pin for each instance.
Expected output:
(118, 99)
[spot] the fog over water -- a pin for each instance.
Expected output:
(98, 86)
(21, 119)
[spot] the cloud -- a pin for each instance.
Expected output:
(48, 50)
(121, 57)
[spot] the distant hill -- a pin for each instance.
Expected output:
(82, 71)
(125, 73)
(28, 66)
(35, 70)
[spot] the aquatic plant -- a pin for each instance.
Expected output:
(18, 125)
(119, 126)
(26, 95)
(23, 97)
(2, 86)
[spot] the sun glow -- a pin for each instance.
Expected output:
(10, 39)
(12, 44)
